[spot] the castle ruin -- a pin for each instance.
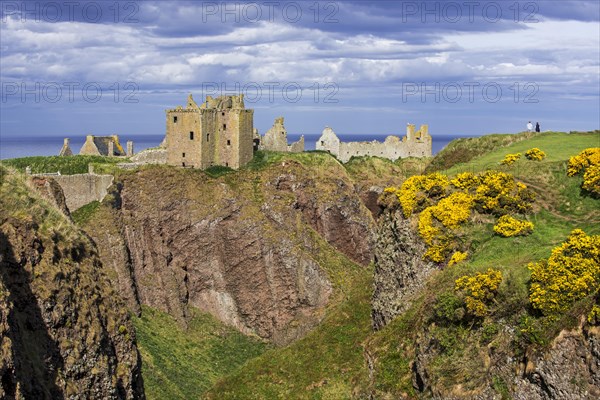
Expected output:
(218, 132)
(275, 139)
(414, 144)
(108, 146)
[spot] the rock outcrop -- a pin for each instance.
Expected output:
(570, 369)
(400, 271)
(64, 331)
(567, 369)
(242, 247)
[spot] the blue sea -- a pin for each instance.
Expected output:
(25, 146)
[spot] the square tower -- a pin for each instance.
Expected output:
(218, 132)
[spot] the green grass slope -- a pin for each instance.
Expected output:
(68, 165)
(466, 352)
(332, 362)
(182, 363)
(487, 151)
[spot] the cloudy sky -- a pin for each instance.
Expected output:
(361, 67)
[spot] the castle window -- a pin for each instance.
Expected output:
(182, 155)
(227, 164)
(228, 142)
(175, 119)
(224, 126)
(183, 164)
(191, 135)
(208, 137)
(223, 114)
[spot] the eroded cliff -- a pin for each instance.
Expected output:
(243, 247)
(64, 332)
(430, 351)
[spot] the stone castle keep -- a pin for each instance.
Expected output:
(414, 144)
(218, 132)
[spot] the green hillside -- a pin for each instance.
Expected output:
(296, 371)
(343, 357)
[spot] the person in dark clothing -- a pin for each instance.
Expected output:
(537, 126)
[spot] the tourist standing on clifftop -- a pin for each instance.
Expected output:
(537, 126)
(529, 127)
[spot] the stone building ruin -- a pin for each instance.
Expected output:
(275, 139)
(108, 146)
(414, 144)
(218, 132)
(66, 148)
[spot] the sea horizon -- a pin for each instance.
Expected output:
(32, 145)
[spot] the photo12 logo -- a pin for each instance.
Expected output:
(454, 92)
(53, 92)
(70, 11)
(468, 11)
(270, 11)
(271, 92)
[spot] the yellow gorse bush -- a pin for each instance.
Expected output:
(417, 190)
(581, 161)
(479, 290)
(535, 154)
(466, 181)
(591, 179)
(510, 159)
(437, 222)
(444, 205)
(499, 193)
(588, 162)
(508, 226)
(457, 257)
(571, 273)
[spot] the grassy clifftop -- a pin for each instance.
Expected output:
(485, 151)
(464, 354)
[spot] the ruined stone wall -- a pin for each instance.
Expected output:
(82, 189)
(246, 147)
(184, 151)
(412, 145)
(227, 143)
(150, 156)
(392, 148)
(275, 139)
(209, 136)
(89, 148)
(296, 147)
(329, 142)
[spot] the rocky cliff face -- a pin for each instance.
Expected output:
(568, 369)
(64, 332)
(400, 271)
(241, 247)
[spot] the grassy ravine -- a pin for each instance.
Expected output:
(183, 363)
(83, 214)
